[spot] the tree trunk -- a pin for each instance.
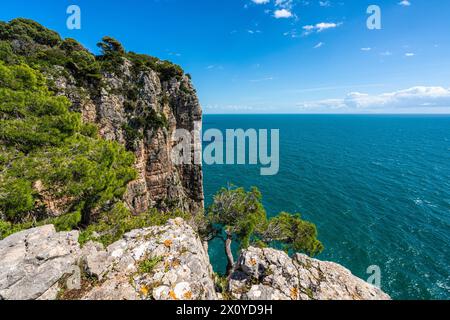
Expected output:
(229, 253)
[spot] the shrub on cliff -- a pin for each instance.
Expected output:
(240, 215)
(23, 40)
(112, 55)
(109, 226)
(166, 69)
(28, 32)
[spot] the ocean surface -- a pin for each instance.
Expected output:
(377, 187)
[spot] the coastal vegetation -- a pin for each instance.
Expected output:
(50, 157)
(239, 215)
(55, 168)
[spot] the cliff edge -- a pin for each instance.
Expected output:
(164, 263)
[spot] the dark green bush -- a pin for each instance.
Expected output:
(167, 70)
(57, 149)
(27, 30)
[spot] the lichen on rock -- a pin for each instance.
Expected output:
(269, 274)
(40, 263)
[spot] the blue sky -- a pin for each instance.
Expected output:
(279, 56)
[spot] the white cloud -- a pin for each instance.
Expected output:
(319, 27)
(287, 4)
(262, 79)
(410, 54)
(282, 13)
(418, 98)
(281, 8)
(325, 25)
(213, 66)
(293, 33)
(325, 3)
(366, 49)
(405, 3)
(320, 44)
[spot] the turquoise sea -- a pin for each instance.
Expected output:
(377, 187)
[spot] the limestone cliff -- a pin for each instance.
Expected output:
(128, 96)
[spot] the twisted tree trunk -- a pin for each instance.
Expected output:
(229, 254)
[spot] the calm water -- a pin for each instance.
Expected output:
(377, 187)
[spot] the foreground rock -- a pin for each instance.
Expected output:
(268, 274)
(33, 261)
(163, 263)
(167, 262)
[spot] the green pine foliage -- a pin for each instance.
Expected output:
(241, 215)
(43, 142)
(293, 233)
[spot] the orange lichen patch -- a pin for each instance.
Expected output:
(188, 295)
(294, 293)
(168, 243)
(173, 295)
(252, 262)
(176, 263)
(144, 291)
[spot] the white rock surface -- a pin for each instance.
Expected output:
(182, 270)
(42, 264)
(162, 262)
(262, 274)
(33, 261)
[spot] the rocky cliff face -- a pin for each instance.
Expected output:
(140, 110)
(163, 263)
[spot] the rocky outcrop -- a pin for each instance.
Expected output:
(34, 260)
(163, 262)
(268, 274)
